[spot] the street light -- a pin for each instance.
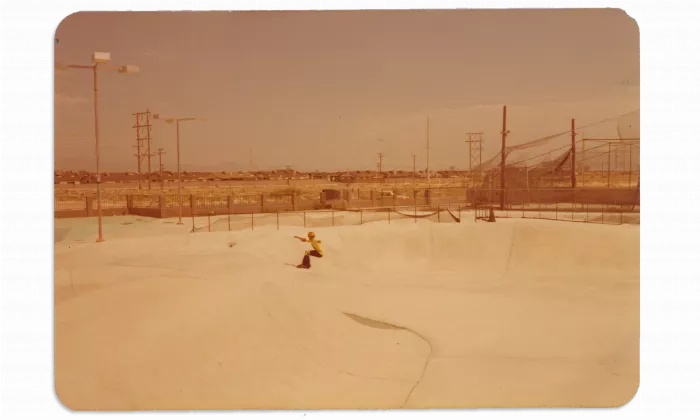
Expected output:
(177, 125)
(99, 60)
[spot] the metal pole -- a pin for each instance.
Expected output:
(97, 158)
(179, 194)
(503, 161)
(427, 142)
(583, 159)
(609, 154)
(573, 153)
(414, 176)
(629, 180)
(148, 145)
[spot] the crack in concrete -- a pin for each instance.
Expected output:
(373, 323)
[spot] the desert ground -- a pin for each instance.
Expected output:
(308, 189)
(517, 313)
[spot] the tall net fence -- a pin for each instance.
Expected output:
(540, 151)
(605, 153)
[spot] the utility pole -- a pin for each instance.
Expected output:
(143, 143)
(148, 145)
(160, 165)
(414, 174)
(583, 159)
(609, 153)
(504, 133)
(573, 153)
(427, 141)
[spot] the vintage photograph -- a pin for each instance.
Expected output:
(389, 209)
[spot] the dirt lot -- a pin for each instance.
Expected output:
(311, 189)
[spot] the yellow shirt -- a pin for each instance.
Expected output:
(315, 244)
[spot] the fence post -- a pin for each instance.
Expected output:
(602, 214)
(252, 222)
(88, 206)
(556, 210)
(459, 213)
(438, 214)
(278, 220)
(360, 217)
(388, 212)
(332, 218)
(229, 221)
(262, 203)
(191, 210)
(619, 209)
(129, 204)
(161, 205)
(209, 222)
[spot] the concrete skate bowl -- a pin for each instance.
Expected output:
(84, 229)
(59, 234)
(518, 313)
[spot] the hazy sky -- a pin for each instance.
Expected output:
(328, 90)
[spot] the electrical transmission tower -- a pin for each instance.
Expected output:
(143, 144)
(475, 142)
(380, 157)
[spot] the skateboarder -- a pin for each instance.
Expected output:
(315, 252)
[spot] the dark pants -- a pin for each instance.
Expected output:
(306, 262)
